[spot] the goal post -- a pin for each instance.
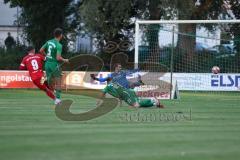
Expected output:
(187, 50)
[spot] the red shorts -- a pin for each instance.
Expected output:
(36, 75)
(44, 87)
(36, 78)
(37, 82)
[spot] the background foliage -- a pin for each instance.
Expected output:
(113, 20)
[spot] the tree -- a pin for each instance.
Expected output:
(155, 13)
(191, 10)
(39, 18)
(109, 20)
(114, 21)
(194, 10)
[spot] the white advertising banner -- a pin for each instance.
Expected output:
(184, 81)
(207, 81)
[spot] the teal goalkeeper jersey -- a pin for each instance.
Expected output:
(52, 49)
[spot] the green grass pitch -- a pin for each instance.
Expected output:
(30, 130)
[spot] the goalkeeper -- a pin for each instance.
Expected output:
(121, 88)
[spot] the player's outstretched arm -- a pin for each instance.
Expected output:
(22, 65)
(61, 59)
(100, 79)
(43, 48)
(42, 51)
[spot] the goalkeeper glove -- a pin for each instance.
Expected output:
(109, 79)
(94, 77)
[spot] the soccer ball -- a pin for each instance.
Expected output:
(215, 69)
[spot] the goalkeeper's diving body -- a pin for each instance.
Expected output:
(119, 87)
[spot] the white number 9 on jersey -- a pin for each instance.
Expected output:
(34, 64)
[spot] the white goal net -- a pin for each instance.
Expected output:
(186, 51)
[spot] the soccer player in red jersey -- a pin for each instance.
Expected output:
(34, 64)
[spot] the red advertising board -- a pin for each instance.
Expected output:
(15, 79)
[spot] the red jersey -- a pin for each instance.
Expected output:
(33, 63)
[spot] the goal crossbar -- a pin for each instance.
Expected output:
(185, 21)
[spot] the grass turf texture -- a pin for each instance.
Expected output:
(30, 130)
